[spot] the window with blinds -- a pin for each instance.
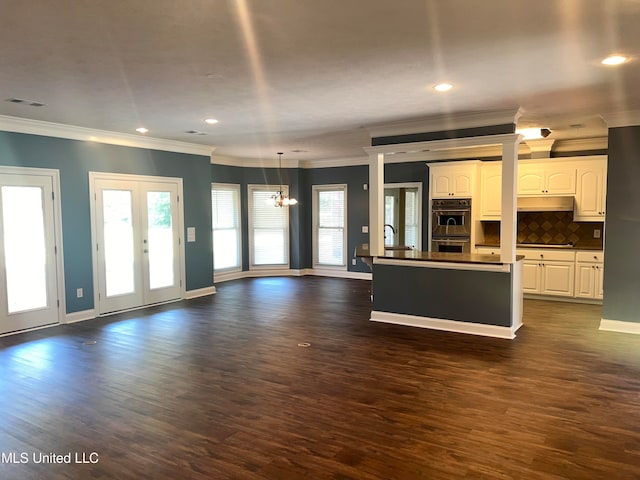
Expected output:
(269, 228)
(330, 221)
(227, 233)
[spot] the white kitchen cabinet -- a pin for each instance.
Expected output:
(548, 272)
(491, 191)
(591, 193)
(449, 181)
(546, 178)
(589, 274)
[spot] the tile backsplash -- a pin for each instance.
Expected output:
(549, 228)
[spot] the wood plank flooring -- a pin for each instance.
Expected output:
(218, 388)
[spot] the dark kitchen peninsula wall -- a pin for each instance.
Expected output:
(548, 228)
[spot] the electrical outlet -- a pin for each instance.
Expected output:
(365, 228)
(79, 293)
(596, 233)
(365, 186)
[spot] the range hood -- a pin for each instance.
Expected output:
(545, 203)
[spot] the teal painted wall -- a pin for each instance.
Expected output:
(75, 159)
(622, 227)
(300, 182)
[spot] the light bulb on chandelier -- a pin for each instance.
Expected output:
(280, 199)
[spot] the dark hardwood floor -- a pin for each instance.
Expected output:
(218, 388)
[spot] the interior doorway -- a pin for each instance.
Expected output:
(139, 253)
(403, 214)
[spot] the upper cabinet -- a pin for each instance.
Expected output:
(453, 179)
(546, 179)
(491, 191)
(591, 191)
(584, 177)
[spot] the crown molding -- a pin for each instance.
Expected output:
(626, 118)
(581, 144)
(253, 162)
(71, 132)
(341, 162)
(540, 147)
(446, 122)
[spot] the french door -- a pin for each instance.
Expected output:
(138, 251)
(29, 291)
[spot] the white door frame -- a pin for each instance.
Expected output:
(93, 176)
(54, 175)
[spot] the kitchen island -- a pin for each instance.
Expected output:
(466, 293)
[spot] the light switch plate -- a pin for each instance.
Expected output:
(365, 228)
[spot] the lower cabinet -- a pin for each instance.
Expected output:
(589, 274)
(548, 272)
(559, 273)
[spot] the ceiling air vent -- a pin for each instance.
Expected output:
(22, 101)
(195, 132)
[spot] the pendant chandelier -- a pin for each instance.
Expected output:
(280, 199)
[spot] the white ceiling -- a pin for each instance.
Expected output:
(307, 77)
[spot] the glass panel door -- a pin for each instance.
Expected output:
(119, 279)
(27, 253)
(138, 243)
(160, 242)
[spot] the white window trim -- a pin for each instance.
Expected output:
(329, 187)
(237, 188)
(275, 188)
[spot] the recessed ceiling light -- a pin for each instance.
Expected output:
(614, 60)
(211, 121)
(443, 87)
(534, 133)
(142, 130)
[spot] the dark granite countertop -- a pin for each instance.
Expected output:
(435, 256)
(540, 245)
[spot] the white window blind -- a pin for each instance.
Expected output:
(412, 219)
(330, 218)
(227, 233)
(269, 227)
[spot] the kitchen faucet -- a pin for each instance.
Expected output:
(391, 227)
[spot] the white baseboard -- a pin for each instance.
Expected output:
(322, 272)
(200, 292)
(446, 325)
(81, 316)
(619, 326)
(225, 277)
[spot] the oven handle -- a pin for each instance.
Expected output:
(446, 210)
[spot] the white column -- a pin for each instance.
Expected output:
(508, 227)
(376, 204)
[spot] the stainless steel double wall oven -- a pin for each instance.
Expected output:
(451, 225)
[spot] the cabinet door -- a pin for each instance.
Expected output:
(560, 180)
(590, 194)
(531, 181)
(558, 278)
(585, 280)
(462, 184)
(491, 193)
(441, 185)
(531, 276)
(599, 277)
